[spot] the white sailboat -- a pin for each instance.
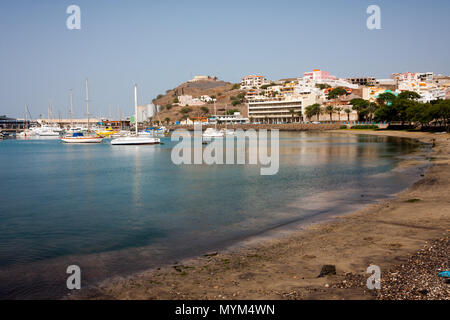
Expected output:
(27, 132)
(210, 132)
(79, 137)
(135, 139)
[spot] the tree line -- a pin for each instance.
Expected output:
(404, 108)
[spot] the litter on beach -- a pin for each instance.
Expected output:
(444, 274)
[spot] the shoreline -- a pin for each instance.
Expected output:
(384, 233)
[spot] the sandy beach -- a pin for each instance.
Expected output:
(397, 235)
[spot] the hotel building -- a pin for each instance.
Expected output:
(280, 110)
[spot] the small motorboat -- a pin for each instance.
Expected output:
(106, 132)
(78, 137)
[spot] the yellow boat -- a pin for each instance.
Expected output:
(106, 132)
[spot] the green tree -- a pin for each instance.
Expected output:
(205, 110)
(235, 86)
(348, 111)
(409, 95)
(313, 110)
(386, 98)
(167, 120)
(186, 110)
(359, 105)
(338, 110)
(336, 93)
(330, 109)
(175, 100)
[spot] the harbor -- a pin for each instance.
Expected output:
(219, 160)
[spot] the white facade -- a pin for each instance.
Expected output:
(235, 118)
(188, 100)
(253, 81)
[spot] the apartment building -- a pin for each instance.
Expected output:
(318, 75)
(275, 110)
(253, 81)
(371, 81)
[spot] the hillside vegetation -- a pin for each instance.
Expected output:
(229, 98)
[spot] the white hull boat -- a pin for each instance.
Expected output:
(135, 140)
(212, 133)
(80, 138)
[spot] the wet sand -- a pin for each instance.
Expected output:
(386, 234)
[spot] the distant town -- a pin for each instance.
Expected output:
(259, 100)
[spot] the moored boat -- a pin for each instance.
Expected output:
(78, 137)
(135, 139)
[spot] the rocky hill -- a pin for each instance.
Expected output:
(229, 97)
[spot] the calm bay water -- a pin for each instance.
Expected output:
(114, 210)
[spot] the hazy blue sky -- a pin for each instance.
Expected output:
(159, 43)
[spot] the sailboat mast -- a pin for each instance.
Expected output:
(215, 115)
(135, 108)
(87, 104)
(120, 117)
(71, 110)
(48, 110)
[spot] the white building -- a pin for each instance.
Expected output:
(235, 118)
(253, 81)
(188, 100)
(206, 99)
(276, 110)
(428, 91)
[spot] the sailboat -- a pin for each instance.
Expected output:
(27, 132)
(79, 137)
(135, 139)
(210, 132)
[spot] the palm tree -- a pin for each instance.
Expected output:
(338, 110)
(167, 120)
(372, 108)
(335, 94)
(313, 110)
(330, 110)
(300, 115)
(292, 114)
(348, 111)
